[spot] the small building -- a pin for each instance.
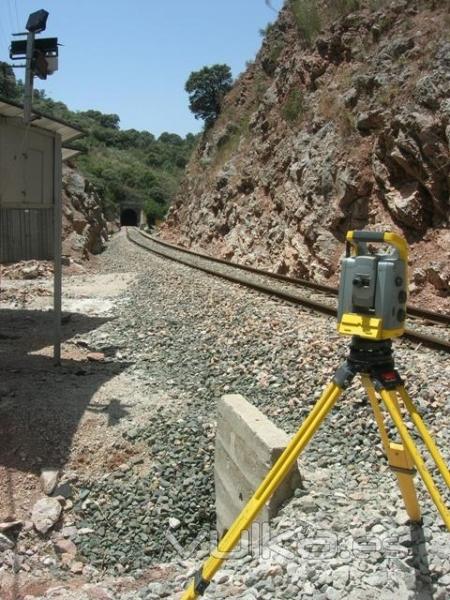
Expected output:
(31, 158)
(30, 181)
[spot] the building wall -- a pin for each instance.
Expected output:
(26, 234)
(27, 191)
(26, 166)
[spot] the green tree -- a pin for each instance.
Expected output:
(105, 120)
(8, 86)
(206, 89)
(123, 164)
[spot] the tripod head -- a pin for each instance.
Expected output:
(374, 287)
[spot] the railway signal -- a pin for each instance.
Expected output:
(45, 55)
(40, 55)
(372, 301)
(37, 21)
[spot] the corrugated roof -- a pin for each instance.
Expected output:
(67, 131)
(68, 152)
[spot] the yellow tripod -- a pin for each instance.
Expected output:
(374, 361)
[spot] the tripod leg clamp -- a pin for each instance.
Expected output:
(200, 584)
(402, 470)
(344, 376)
(386, 379)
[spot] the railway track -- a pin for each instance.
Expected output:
(318, 297)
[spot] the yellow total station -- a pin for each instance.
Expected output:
(374, 287)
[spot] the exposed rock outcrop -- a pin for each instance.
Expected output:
(352, 131)
(85, 230)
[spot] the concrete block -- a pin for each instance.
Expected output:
(247, 446)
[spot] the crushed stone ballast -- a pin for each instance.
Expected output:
(286, 293)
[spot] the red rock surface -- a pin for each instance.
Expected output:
(352, 131)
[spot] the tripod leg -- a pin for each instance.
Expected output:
(424, 434)
(390, 400)
(399, 459)
(376, 411)
(271, 482)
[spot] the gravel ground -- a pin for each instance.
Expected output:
(189, 338)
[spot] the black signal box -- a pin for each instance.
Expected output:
(47, 46)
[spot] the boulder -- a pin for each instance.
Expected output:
(49, 479)
(74, 183)
(5, 543)
(407, 206)
(66, 546)
(45, 514)
(85, 229)
(31, 272)
(79, 221)
(426, 93)
(368, 121)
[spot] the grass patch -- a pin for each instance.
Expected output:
(391, 93)
(346, 122)
(310, 15)
(261, 85)
(229, 143)
(340, 8)
(307, 18)
(270, 62)
(294, 107)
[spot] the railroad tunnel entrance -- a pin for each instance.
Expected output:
(129, 217)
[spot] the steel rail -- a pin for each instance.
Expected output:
(321, 287)
(319, 306)
(414, 336)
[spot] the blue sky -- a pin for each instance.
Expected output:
(132, 57)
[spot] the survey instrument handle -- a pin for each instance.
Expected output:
(388, 237)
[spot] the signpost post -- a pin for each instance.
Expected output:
(37, 22)
(41, 60)
(29, 77)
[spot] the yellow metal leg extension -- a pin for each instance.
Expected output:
(404, 457)
(425, 435)
(389, 398)
(398, 457)
(271, 482)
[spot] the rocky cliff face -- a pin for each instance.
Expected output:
(349, 131)
(85, 230)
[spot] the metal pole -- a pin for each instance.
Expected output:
(28, 98)
(57, 223)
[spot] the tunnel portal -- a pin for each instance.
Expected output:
(129, 217)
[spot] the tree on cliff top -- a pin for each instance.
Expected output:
(206, 89)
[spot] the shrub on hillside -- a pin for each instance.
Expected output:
(293, 108)
(307, 17)
(310, 15)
